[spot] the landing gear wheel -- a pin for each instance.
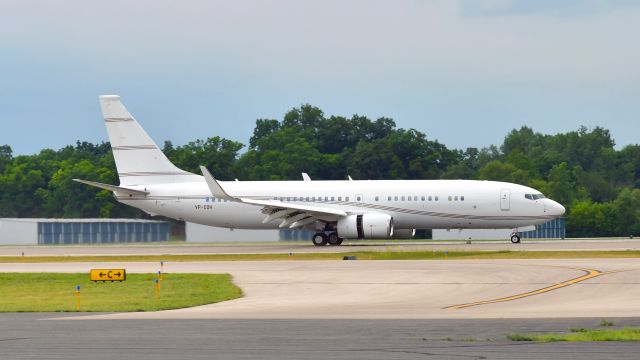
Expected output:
(515, 238)
(334, 239)
(319, 239)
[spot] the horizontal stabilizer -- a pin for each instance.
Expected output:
(113, 188)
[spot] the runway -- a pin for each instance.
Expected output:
(32, 336)
(306, 247)
(444, 309)
(453, 289)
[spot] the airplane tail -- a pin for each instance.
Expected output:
(138, 159)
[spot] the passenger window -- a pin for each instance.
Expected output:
(326, 198)
(462, 198)
(449, 197)
(358, 198)
(403, 198)
(408, 198)
(376, 199)
(395, 198)
(346, 198)
(422, 198)
(436, 198)
(389, 198)
(415, 198)
(429, 198)
(332, 198)
(339, 198)
(455, 198)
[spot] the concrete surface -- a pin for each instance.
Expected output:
(398, 289)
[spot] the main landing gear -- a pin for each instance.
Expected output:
(322, 239)
(515, 238)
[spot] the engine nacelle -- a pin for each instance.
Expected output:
(366, 226)
(403, 233)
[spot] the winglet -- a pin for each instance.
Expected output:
(305, 177)
(215, 188)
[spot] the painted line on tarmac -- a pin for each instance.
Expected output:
(589, 274)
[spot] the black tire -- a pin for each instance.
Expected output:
(319, 239)
(515, 238)
(334, 239)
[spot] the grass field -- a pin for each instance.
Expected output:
(37, 292)
(624, 334)
(361, 255)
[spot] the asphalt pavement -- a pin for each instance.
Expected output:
(36, 336)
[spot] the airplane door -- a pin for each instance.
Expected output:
(179, 208)
(505, 199)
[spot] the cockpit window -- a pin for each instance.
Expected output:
(534, 196)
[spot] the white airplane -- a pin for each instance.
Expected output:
(336, 210)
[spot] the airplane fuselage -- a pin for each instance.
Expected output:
(428, 204)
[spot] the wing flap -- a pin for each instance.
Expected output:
(300, 207)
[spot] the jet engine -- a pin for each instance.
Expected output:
(366, 226)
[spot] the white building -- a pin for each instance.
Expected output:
(554, 229)
(31, 231)
(470, 234)
(203, 233)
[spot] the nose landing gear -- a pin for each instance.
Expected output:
(515, 238)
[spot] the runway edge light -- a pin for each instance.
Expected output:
(77, 297)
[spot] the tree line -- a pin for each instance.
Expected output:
(597, 183)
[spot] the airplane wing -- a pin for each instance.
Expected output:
(292, 215)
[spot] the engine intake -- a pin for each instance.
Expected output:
(366, 226)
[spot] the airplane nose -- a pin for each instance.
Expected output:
(557, 209)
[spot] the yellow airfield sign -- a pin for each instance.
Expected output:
(108, 275)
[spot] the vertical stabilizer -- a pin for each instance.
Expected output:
(138, 159)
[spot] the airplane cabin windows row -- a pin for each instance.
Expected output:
(377, 198)
(456, 198)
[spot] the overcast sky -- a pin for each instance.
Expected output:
(463, 72)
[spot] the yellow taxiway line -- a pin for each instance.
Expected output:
(590, 274)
